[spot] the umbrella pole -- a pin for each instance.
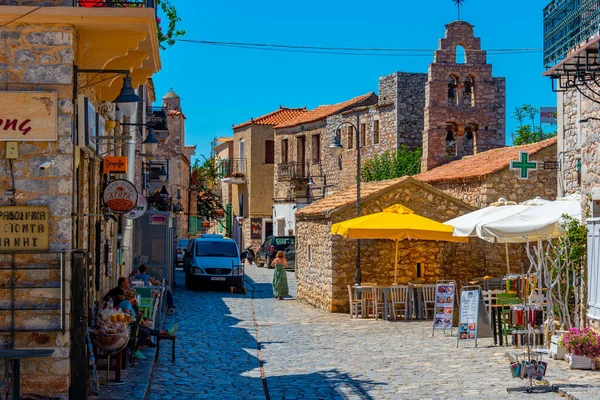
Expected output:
(507, 262)
(396, 264)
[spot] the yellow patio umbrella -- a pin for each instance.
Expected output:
(397, 223)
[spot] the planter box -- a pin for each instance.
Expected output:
(556, 351)
(579, 362)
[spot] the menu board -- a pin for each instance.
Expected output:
(444, 305)
(469, 307)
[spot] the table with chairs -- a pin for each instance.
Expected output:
(413, 301)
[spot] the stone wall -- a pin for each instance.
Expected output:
(481, 192)
(323, 279)
(480, 106)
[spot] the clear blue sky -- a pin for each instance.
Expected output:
(221, 86)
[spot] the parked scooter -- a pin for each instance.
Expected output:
(249, 255)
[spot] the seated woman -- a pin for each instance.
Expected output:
(129, 306)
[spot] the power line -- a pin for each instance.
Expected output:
(361, 51)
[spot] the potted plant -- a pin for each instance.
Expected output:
(583, 347)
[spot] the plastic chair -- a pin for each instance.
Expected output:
(399, 296)
(429, 295)
(505, 316)
(355, 304)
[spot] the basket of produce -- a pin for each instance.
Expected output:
(110, 331)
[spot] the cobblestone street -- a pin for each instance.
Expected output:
(311, 354)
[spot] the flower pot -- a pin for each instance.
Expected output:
(556, 350)
(580, 362)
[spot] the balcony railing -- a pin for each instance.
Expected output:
(232, 168)
(117, 3)
(294, 170)
(567, 23)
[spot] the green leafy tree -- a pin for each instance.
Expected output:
(204, 178)
(529, 132)
(389, 165)
(170, 32)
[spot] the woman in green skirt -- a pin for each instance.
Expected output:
(280, 284)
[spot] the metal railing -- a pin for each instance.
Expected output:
(232, 167)
(567, 23)
(292, 170)
(116, 3)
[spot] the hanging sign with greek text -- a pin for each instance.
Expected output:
(120, 196)
(28, 116)
(24, 228)
(114, 165)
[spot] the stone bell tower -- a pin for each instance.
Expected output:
(465, 107)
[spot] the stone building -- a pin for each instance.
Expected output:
(465, 107)
(483, 178)
(570, 54)
(456, 110)
(250, 172)
(325, 263)
(170, 165)
(51, 170)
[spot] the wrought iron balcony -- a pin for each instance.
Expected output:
(232, 170)
(117, 3)
(567, 23)
(293, 170)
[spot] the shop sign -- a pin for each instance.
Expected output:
(120, 196)
(24, 228)
(548, 115)
(114, 165)
(140, 208)
(28, 116)
(255, 228)
(158, 219)
(444, 304)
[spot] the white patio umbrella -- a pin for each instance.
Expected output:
(532, 224)
(470, 224)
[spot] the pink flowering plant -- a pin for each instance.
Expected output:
(584, 342)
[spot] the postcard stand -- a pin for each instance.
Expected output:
(442, 294)
(530, 388)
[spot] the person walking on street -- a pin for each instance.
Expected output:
(280, 284)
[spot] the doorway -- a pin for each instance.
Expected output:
(267, 229)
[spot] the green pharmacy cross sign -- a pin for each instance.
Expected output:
(523, 165)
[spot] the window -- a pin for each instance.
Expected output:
(420, 271)
(316, 149)
(363, 134)
(284, 151)
(269, 152)
(205, 248)
(338, 134)
(350, 136)
(593, 264)
(376, 131)
(242, 156)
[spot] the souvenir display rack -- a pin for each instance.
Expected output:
(532, 333)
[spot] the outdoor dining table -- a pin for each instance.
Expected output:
(16, 355)
(359, 295)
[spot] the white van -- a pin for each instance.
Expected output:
(211, 260)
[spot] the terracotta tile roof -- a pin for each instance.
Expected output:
(274, 118)
(347, 197)
(175, 112)
(481, 164)
(323, 112)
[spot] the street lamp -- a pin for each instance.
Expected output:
(336, 151)
(178, 208)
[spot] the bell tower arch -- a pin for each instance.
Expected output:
(463, 95)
